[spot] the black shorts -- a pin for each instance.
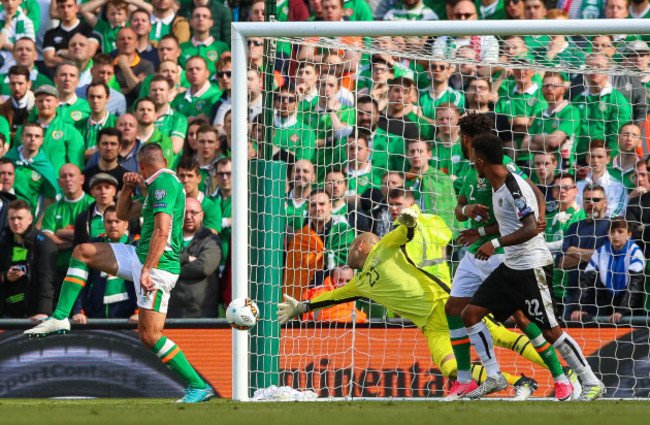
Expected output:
(507, 290)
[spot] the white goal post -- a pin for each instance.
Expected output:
(241, 227)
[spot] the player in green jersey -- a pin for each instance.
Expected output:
(475, 205)
(153, 266)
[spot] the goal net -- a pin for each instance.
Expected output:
(343, 132)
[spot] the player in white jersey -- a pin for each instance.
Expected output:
(521, 282)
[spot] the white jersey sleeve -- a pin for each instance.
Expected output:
(512, 202)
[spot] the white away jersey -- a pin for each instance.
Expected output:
(513, 201)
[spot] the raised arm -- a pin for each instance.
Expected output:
(126, 209)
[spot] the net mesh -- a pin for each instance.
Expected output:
(356, 119)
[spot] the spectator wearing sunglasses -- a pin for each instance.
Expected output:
(514, 9)
(581, 240)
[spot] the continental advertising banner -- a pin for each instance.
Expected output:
(333, 362)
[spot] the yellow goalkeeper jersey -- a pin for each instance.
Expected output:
(391, 277)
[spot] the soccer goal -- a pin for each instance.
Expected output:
(360, 110)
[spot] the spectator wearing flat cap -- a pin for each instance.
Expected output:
(90, 223)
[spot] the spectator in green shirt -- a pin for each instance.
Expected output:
(603, 109)
(202, 43)
(72, 108)
(168, 121)
(359, 172)
(116, 15)
(202, 95)
(35, 179)
(98, 95)
(300, 181)
(63, 143)
(432, 188)
(189, 173)
(555, 128)
(25, 53)
(291, 133)
(439, 92)
(145, 114)
(306, 81)
(59, 218)
(208, 153)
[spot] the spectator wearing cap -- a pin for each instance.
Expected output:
(18, 106)
(109, 141)
(25, 54)
(106, 296)
(27, 267)
(59, 218)
(90, 222)
(196, 293)
(63, 143)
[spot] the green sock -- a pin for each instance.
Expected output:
(173, 357)
(460, 344)
(74, 282)
(545, 349)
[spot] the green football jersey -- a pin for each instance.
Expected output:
(165, 194)
(566, 119)
(622, 175)
(62, 215)
(429, 104)
(89, 128)
(211, 213)
(192, 105)
(295, 136)
(601, 117)
(496, 10)
(63, 144)
(479, 191)
(172, 123)
(108, 33)
(211, 51)
(296, 213)
(225, 205)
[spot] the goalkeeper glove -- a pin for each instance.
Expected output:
(408, 217)
(290, 309)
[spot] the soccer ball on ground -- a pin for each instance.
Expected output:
(242, 313)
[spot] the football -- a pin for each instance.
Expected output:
(242, 313)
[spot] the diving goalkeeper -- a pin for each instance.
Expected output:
(393, 275)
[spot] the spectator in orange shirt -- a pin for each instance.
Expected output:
(341, 313)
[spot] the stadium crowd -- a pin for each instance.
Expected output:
(84, 86)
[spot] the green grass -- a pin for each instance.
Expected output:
(163, 412)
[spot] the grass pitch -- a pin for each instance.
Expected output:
(163, 412)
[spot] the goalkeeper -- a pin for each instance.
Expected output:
(397, 272)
